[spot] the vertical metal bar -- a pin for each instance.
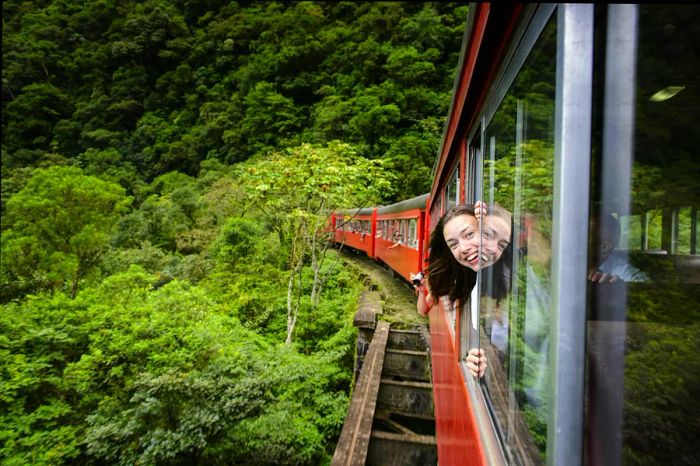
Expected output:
(476, 307)
(693, 230)
(674, 231)
(515, 331)
(619, 108)
(572, 150)
(645, 231)
(606, 394)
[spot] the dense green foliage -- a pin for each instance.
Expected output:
(125, 374)
(168, 167)
(158, 86)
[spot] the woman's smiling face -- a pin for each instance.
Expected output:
(495, 238)
(462, 237)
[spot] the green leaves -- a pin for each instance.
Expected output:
(59, 226)
(311, 177)
(125, 374)
(169, 84)
(148, 292)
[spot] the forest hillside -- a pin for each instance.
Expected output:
(167, 293)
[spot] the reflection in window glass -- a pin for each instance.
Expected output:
(631, 232)
(412, 241)
(652, 230)
(684, 225)
(643, 339)
(452, 194)
(516, 246)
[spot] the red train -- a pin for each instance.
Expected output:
(395, 235)
(580, 120)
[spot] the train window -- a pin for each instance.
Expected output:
(452, 193)
(513, 310)
(434, 216)
(412, 237)
(643, 334)
(474, 161)
(683, 220)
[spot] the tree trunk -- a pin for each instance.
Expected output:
(292, 309)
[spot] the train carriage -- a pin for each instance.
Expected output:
(356, 228)
(400, 238)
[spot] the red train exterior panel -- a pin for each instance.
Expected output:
(456, 428)
(403, 259)
(346, 234)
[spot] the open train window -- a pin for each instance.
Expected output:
(473, 169)
(412, 237)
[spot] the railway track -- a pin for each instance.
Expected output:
(391, 417)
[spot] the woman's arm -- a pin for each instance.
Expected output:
(425, 299)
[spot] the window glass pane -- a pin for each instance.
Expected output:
(518, 171)
(631, 232)
(412, 241)
(652, 227)
(643, 339)
(684, 219)
(452, 195)
(474, 155)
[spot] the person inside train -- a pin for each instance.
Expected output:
(612, 264)
(457, 253)
(396, 238)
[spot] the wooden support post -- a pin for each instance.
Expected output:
(353, 444)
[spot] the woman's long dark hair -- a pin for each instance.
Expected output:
(499, 275)
(446, 276)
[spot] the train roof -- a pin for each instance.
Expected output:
(354, 212)
(417, 202)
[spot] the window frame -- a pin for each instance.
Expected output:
(572, 139)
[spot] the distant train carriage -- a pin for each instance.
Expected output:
(356, 228)
(400, 238)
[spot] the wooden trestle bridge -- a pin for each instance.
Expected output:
(390, 420)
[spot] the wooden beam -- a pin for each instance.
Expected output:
(353, 444)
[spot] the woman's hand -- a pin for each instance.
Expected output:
(476, 362)
(425, 299)
(480, 209)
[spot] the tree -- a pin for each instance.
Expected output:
(296, 190)
(59, 226)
